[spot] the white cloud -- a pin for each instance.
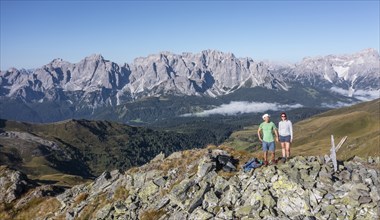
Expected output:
(340, 91)
(337, 105)
(363, 95)
(367, 95)
(234, 108)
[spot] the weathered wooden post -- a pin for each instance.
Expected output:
(333, 154)
(340, 143)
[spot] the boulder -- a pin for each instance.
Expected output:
(220, 184)
(198, 198)
(104, 181)
(292, 205)
(375, 194)
(204, 167)
(230, 197)
(120, 208)
(210, 201)
(268, 200)
(243, 211)
(13, 184)
(160, 181)
(178, 194)
(225, 214)
(103, 212)
(216, 152)
(148, 191)
(200, 214)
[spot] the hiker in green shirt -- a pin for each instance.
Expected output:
(267, 128)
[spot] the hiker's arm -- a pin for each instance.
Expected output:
(291, 131)
(276, 133)
(258, 134)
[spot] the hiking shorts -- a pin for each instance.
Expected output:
(268, 146)
(285, 138)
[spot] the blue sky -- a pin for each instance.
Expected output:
(35, 32)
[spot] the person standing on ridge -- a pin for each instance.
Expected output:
(267, 128)
(285, 130)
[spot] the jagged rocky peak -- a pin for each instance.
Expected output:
(210, 73)
(353, 71)
(369, 52)
(57, 60)
(217, 54)
(95, 57)
(367, 56)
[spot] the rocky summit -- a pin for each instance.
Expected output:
(192, 185)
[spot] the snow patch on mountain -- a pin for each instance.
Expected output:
(341, 71)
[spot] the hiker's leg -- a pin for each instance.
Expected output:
(272, 147)
(265, 155)
(283, 149)
(287, 149)
(265, 150)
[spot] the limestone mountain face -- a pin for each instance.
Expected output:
(211, 73)
(359, 71)
(95, 82)
(190, 185)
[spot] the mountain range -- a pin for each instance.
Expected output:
(62, 90)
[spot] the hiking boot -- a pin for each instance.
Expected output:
(265, 163)
(283, 160)
(273, 161)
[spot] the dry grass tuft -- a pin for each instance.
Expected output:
(133, 170)
(81, 197)
(38, 208)
(91, 208)
(121, 193)
(6, 211)
(152, 214)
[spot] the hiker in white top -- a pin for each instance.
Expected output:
(285, 131)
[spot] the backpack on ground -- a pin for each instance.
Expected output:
(226, 163)
(252, 164)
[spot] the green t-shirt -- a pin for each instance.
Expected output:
(267, 129)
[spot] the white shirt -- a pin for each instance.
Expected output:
(285, 128)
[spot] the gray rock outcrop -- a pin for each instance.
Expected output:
(302, 188)
(12, 184)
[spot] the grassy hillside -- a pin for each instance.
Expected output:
(313, 136)
(69, 150)
(361, 123)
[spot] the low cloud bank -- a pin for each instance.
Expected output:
(234, 108)
(337, 105)
(363, 95)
